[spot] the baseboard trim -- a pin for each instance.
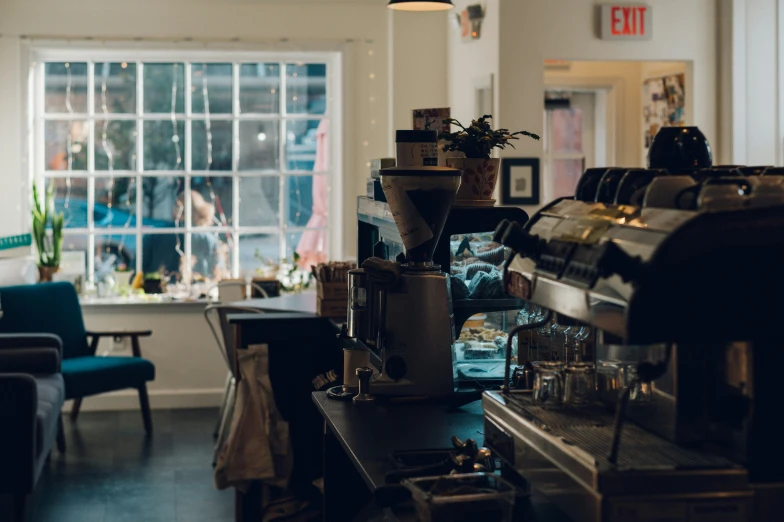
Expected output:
(159, 399)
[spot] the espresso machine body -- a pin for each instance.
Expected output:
(695, 290)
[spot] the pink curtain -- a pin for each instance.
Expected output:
(312, 248)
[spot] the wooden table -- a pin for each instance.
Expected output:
(288, 326)
(304, 302)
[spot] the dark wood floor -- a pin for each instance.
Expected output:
(111, 472)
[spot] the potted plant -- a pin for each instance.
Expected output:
(480, 171)
(122, 275)
(292, 278)
(49, 248)
(154, 283)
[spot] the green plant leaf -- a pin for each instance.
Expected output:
(479, 139)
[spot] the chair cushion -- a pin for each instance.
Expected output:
(91, 375)
(46, 308)
(51, 394)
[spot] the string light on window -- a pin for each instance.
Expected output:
(219, 218)
(176, 140)
(108, 152)
(69, 152)
(371, 88)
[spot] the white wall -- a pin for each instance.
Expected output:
(12, 173)
(535, 30)
(419, 80)
(752, 63)
(190, 372)
(472, 61)
(626, 79)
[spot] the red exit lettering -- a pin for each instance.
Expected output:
(628, 21)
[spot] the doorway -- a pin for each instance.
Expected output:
(570, 139)
(604, 114)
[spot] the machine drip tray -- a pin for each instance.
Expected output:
(590, 431)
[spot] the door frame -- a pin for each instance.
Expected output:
(608, 91)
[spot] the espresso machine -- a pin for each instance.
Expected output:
(404, 309)
(687, 306)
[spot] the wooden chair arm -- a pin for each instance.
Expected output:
(133, 334)
(121, 333)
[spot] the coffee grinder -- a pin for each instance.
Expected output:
(403, 308)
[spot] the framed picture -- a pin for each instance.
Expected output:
(520, 181)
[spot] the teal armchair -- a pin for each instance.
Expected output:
(53, 308)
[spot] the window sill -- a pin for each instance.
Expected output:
(136, 302)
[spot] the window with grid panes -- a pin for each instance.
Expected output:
(201, 170)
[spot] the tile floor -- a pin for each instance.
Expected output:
(111, 472)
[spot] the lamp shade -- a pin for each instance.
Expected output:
(420, 5)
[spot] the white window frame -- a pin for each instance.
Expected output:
(63, 52)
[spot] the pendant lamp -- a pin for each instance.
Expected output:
(420, 5)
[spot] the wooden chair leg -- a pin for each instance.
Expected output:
(144, 402)
(60, 435)
(77, 403)
(19, 506)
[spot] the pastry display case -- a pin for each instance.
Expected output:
(483, 311)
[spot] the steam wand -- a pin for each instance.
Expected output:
(646, 373)
(517, 329)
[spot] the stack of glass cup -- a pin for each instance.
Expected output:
(556, 350)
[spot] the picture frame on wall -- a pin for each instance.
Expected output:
(520, 181)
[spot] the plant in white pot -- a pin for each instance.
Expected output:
(49, 246)
(480, 171)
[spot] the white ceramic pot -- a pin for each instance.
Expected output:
(480, 176)
(123, 279)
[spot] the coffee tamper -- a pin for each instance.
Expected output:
(364, 374)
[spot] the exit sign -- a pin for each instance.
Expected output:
(627, 22)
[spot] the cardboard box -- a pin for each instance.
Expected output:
(331, 308)
(332, 291)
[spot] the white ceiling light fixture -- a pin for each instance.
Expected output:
(420, 5)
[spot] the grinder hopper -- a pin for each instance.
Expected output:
(420, 199)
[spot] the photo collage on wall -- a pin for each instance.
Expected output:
(664, 100)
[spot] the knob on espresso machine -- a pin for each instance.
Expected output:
(512, 235)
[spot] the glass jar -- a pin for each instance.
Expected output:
(580, 384)
(548, 383)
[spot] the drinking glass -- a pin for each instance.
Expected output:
(535, 314)
(580, 384)
(575, 339)
(544, 344)
(548, 383)
(611, 378)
